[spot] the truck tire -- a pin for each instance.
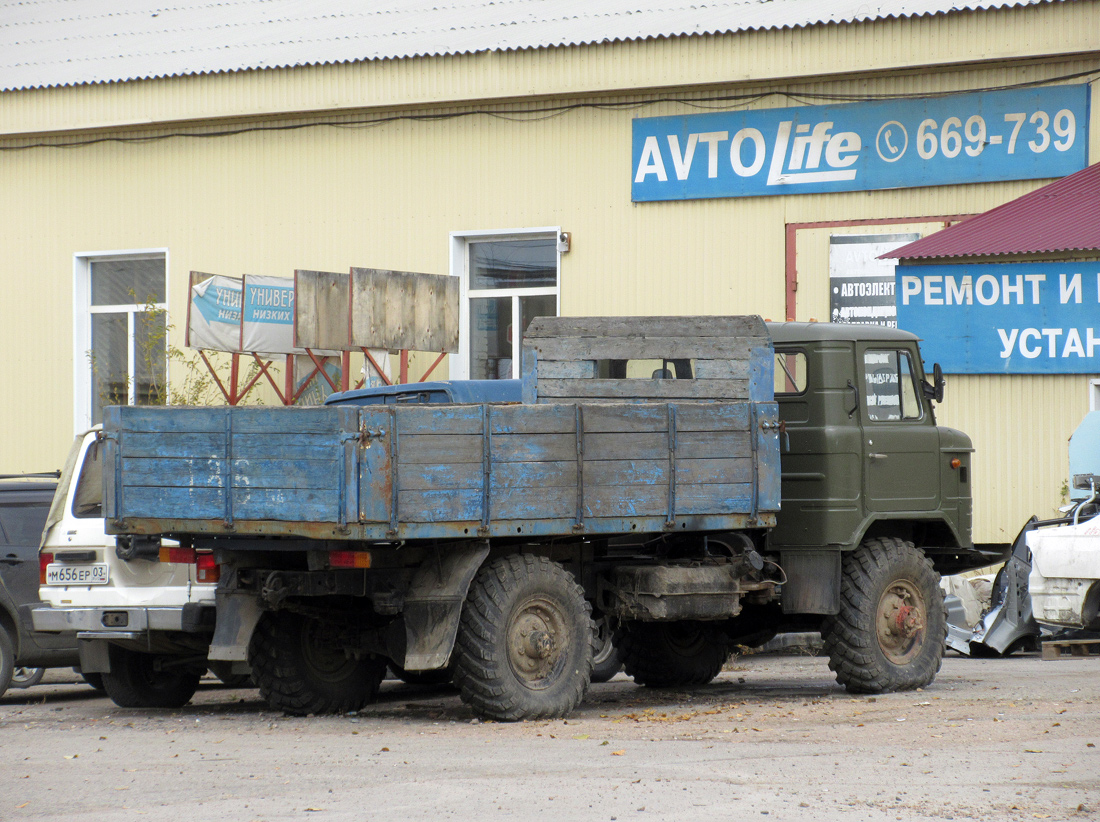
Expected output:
(135, 681)
(608, 659)
(673, 654)
(7, 660)
(301, 668)
(525, 641)
(892, 626)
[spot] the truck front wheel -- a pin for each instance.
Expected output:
(673, 654)
(138, 680)
(302, 668)
(890, 632)
(525, 642)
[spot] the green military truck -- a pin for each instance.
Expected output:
(690, 483)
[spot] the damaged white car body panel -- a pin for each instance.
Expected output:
(1065, 574)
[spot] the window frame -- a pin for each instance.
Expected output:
(83, 310)
(460, 267)
(914, 381)
(796, 352)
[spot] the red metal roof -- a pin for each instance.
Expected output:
(1062, 216)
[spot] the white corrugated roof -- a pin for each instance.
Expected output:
(68, 42)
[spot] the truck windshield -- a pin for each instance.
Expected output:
(891, 388)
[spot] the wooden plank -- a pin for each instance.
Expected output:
(449, 477)
(294, 422)
(627, 472)
(528, 419)
(196, 446)
(722, 369)
(626, 390)
(533, 503)
(711, 444)
(562, 349)
(406, 310)
(183, 503)
(717, 471)
(176, 472)
(713, 416)
(507, 476)
(286, 473)
(625, 500)
(306, 505)
(600, 418)
(534, 447)
(438, 449)
(445, 419)
(567, 369)
(626, 446)
(694, 499)
(439, 506)
(674, 326)
(321, 310)
(148, 419)
(285, 447)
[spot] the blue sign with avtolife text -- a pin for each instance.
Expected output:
(1004, 318)
(961, 138)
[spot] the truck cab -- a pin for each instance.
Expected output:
(862, 455)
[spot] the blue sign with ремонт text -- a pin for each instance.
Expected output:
(1004, 318)
(962, 138)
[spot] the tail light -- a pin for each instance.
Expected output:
(206, 570)
(349, 559)
(182, 555)
(44, 560)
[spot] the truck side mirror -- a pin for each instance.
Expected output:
(935, 390)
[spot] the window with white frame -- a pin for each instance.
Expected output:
(508, 279)
(120, 332)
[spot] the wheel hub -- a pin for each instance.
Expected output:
(536, 636)
(901, 622)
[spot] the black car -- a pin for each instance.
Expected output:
(24, 654)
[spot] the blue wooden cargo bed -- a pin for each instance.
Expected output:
(603, 444)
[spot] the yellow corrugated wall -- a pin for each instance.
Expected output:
(388, 196)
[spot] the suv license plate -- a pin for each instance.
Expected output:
(57, 574)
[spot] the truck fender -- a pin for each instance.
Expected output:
(433, 604)
(237, 615)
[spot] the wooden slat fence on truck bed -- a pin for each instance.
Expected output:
(686, 456)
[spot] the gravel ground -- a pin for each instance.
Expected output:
(773, 737)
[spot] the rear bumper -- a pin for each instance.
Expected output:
(123, 622)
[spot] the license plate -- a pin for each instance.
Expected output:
(57, 574)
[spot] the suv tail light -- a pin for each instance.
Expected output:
(44, 560)
(206, 570)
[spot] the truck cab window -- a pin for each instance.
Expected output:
(790, 372)
(890, 387)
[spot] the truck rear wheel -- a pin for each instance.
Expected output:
(673, 654)
(891, 629)
(138, 680)
(301, 667)
(525, 642)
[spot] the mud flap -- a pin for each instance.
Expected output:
(433, 605)
(237, 615)
(93, 656)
